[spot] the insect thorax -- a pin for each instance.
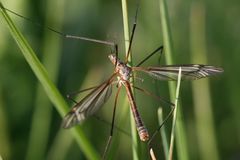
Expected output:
(122, 69)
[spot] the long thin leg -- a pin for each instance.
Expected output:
(132, 34)
(154, 96)
(165, 120)
(66, 35)
(114, 45)
(160, 126)
(112, 126)
(116, 50)
(150, 55)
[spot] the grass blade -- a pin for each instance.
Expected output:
(40, 128)
(47, 84)
(170, 156)
(4, 134)
(60, 146)
(168, 46)
(135, 140)
(203, 112)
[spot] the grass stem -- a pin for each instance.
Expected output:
(50, 89)
(206, 135)
(168, 46)
(40, 127)
(170, 155)
(135, 146)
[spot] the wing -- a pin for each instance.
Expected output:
(89, 104)
(189, 72)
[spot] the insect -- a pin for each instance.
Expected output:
(90, 104)
(121, 76)
(95, 99)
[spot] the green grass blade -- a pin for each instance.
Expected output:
(170, 156)
(40, 127)
(203, 112)
(60, 146)
(168, 46)
(47, 84)
(135, 138)
(5, 133)
(35, 64)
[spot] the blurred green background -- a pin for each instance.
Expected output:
(204, 32)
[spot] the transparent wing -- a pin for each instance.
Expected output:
(88, 105)
(189, 72)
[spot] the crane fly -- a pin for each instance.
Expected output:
(91, 103)
(122, 72)
(95, 99)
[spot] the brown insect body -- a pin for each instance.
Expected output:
(124, 72)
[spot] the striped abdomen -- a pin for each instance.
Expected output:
(142, 130)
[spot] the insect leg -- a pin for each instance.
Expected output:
(150, 55)
(132, 34)
(112, 125)
(109, 43)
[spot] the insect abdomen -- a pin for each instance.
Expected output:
(142, 130)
